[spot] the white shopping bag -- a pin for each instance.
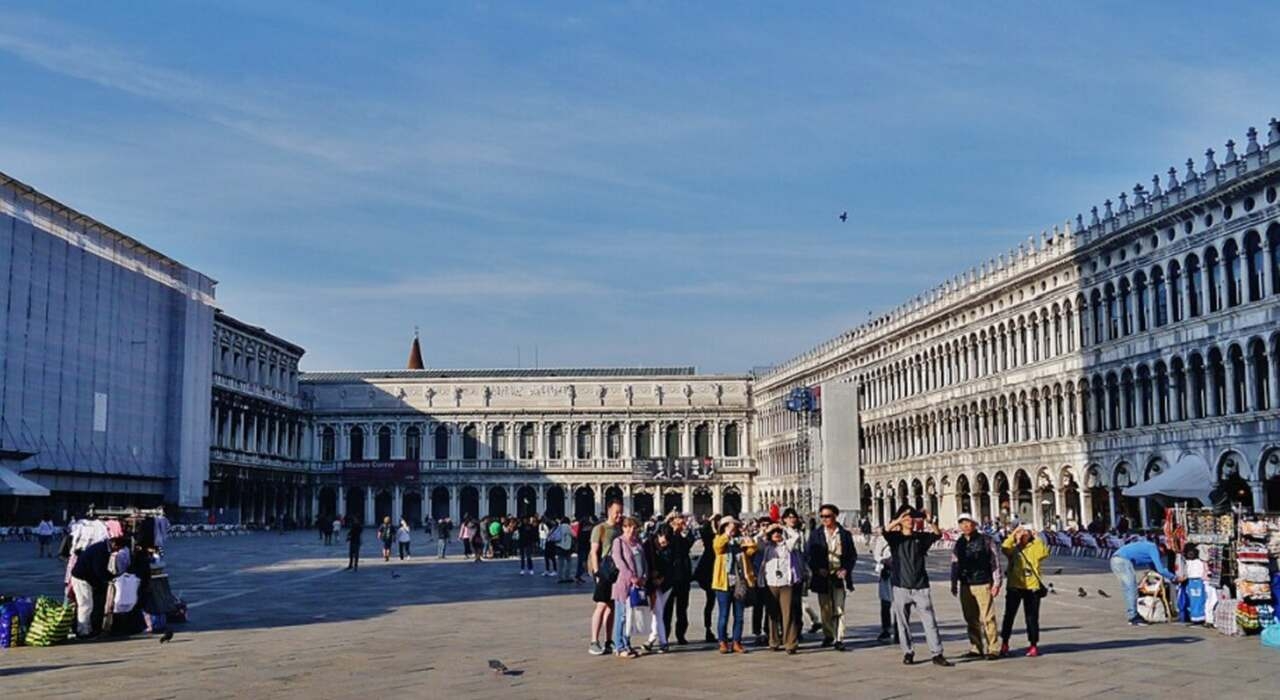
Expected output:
(126, 593)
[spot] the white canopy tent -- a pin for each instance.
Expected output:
(1191, 477)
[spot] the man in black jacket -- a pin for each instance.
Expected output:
(89, 578)
(909, 536)
(682, 577)
(976, 577)
(831, 555)
(354, 534)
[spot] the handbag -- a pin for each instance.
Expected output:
(1041, 591)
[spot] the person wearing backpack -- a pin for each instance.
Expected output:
(561, 541)
(1025, 552)
(605, 572)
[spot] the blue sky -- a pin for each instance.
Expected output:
(615, 183)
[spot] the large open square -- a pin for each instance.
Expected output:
(277, 616)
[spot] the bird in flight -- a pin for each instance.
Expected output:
(844, 216)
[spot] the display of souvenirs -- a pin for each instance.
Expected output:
(1249, 590)
(1247, 618)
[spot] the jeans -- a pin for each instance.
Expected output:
(404, 549)
(353, 556)
(621, 633)
(583, 553)
(1123, 569)
(723, 600)
(564, 560)
(526, 558)
(1031, 603)
(441, 545)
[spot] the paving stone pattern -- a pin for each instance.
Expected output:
(276, 616)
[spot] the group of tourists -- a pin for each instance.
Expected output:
(643, 577)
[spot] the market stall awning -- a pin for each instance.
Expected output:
(1189, 478)
(14, 484)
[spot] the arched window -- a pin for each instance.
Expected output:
(1126, 308)
(470, 443)
(498, 442)
(672, 441)
(614, 440)
(1261, 377)
(556, 450)
(644, 441)
(1175, 289)
(1140, 303)
(584, 442)
(1113, 313)
(1099, 318)
(1231, 258)
(702, 440)
(1159, 300)
(328, 445)
(1256, 267)
(1213, 275)
(526, 441)
(442, 442)
(1195, 285)
(384, 444)
(1235, 396)
(357, 444)
(413, 444)
(1273, 252)
(731, 440)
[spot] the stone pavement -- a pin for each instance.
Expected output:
(275, 615)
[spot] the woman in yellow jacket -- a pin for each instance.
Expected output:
(731, 578)
(1024, 585)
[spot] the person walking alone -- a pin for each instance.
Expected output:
(976, 579)
(444, 527)
(44, 534)
(404, 536)
(354, 535)
(386, 535)
(1026, 587)
(832, 556)
(909, 538)
(527, 532)
(562, 540)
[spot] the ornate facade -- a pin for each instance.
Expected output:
(1043, 382)
(256, 424)
(562, 441)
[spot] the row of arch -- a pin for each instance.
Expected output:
(1238, 377)
(1208, 280)
(583, 445)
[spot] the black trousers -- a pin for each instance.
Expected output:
(526, 558)
(353, 557)
(677, 602)
(759, 598)
(1031, 604)
(708, 608)
(404, 549)
(549, 557)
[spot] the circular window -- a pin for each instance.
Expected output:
(1169, 234)
(1208, 220)
(1122, 254)
(1106, 260)
(1271, 195)
(1137, 249)
(1155, 240)
(1249, 203)
(1095, 266)
(1227, 213)
(1187, 227)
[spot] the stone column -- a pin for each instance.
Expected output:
(1142, 512)
(315, 505)
(368, 506)
(1113, 504)
(397, 503)
(1273, 382)
(455, 504)
(1250, 386)
(342, 502)
(1086, 508)
(716, 500)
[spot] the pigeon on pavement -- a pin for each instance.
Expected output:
(1103, 593)
(1082, 592)
(168, 634)
(498, 667)
(1057, 572)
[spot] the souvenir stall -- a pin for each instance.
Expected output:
(137, 598)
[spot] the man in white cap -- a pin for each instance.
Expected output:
(976, 578)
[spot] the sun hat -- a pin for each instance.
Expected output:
(966, 516)
(726, 520)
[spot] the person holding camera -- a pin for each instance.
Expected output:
(780, 567)
(976, 579)
(910, 536)
(731, 579)
(1026, 587)
(832, 555)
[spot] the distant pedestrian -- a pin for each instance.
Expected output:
(444, 527)
(354, 534)
(386, 535)
(404, 536)
(44, 533)
(527, 532)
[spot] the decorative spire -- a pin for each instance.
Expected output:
(1080, 221)
(1173, 179)
(1231, 153)
(1253, 142)
(1273, 134)
(1106, 211)
(1209, 165)
(1155, 186)
(1094, 220)
(415, 353)
(1124, 202)
(1191, 175)
(1139, 195)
